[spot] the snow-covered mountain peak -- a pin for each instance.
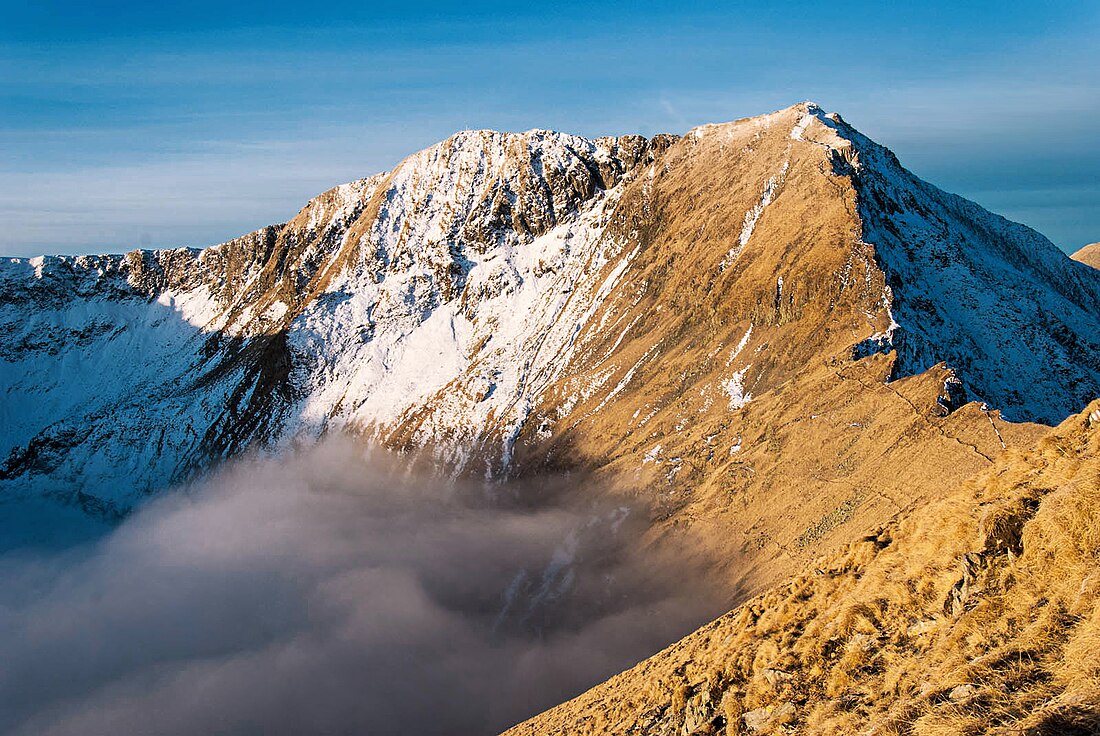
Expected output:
(502, 299)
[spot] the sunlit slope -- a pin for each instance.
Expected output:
(976, 613)
(1089, 255)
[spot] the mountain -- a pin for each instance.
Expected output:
(977, 615)
(766, 335)
(700, 324)
(1089, 255)
(127, 373)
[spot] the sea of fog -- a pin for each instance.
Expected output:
(330, 591)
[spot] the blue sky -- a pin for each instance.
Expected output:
(129, 124)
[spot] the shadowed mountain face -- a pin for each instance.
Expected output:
(667, 311)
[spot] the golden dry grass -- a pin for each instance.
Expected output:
(976, 613)
(1090, 255)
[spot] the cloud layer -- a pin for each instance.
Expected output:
(332, 592)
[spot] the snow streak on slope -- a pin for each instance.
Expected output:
(758, 209)
(753, 215)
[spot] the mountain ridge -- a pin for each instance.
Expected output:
(766, 337)
(975, 615)
(538, 302)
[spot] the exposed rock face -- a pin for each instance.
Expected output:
(127, 373)
(508, 303)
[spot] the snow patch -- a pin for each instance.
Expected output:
(740, 346)
(753, 215)
(800, 127)
(734, 386)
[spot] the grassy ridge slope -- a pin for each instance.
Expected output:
(978, 613)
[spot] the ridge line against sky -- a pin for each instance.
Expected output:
(150, 126)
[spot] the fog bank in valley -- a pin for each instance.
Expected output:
(331, 592)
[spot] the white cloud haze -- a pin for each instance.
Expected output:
(330, 592)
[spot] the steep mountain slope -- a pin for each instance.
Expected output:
(703, 323)
(125, 374)
(1089, 255)
(978, 614)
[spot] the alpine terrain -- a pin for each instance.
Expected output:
(768, 334)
